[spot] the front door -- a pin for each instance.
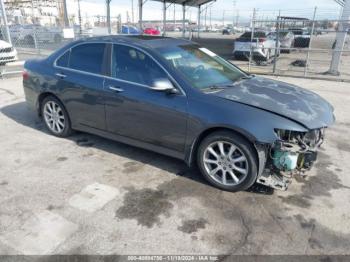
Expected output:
(134, 110)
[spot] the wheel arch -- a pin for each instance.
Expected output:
(41, 98)
(191, 155)
(260, 150)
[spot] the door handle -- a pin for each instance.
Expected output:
(115, 89)
(60, 75)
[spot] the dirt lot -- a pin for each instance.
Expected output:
(88, 195)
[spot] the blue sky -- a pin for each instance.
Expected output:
(266, 8)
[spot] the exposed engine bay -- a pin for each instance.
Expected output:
(292, 154)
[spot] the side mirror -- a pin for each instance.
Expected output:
(164, 85)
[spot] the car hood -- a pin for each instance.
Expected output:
(290, 101)
(4, 44)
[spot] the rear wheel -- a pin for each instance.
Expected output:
(55, 117)
(227, 161)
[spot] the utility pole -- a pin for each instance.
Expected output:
(108, 2)
(205, 18)
(79, 18)
(66, 20)
(132, 11)
(174, 17)
(233, 13)
(223, 18)
(340, 39)
(140, 14)
(4, 17)
(211, 27)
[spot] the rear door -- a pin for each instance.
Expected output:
(80, 76)
(136, 111)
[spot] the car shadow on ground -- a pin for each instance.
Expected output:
(20, 114)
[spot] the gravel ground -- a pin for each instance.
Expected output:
(89, 195)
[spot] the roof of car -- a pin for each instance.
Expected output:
(144, 40)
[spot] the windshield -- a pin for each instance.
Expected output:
(201, 67)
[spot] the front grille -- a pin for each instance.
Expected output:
(7, 58)
(6, 50)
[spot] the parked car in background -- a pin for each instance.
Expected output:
(7, 53)
(286, 39)
(151, 31)
(262, 45)
(227, 31)
(177, 98)
(302, 37)
(28, 34)
(130, 30)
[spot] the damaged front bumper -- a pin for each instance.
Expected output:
(293, 154)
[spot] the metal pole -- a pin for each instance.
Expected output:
(164, 17)
(183, 19)
(132, 11)
(108, 16)
(79, 17)
(34, 30)
(277, 41)
(65, 15)
(311, 36)
(199, 20)
(174, 17)
(140, 14)
(251, 40)
(205, 18)
(7, 30)
(340, 40)
(223, 19)
(211, 27)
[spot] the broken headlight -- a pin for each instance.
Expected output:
(299, 141)
(294, 149)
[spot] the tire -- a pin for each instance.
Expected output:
(224, 167)
(55, 117)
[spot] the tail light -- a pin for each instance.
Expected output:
(25, 75)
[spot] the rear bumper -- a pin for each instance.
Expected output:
(255, 52)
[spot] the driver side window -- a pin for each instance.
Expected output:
(132, 65)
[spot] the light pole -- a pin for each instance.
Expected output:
(4, 17)
(65, 15)
(340, 40)
(108, 2)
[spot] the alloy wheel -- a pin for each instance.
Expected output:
(54, 117)
(225, 163)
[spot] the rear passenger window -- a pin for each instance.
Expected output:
(87, 58)
(63, 60)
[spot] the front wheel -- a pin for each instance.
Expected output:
(55, 117)
(227, 161)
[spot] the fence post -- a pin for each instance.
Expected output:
(277, 46)
(108, 6)
(308, 50)
(251, 40)
(36, 47)
(340, 40)
(7, 31)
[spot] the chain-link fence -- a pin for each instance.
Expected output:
(278, 44)
(295, 47)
